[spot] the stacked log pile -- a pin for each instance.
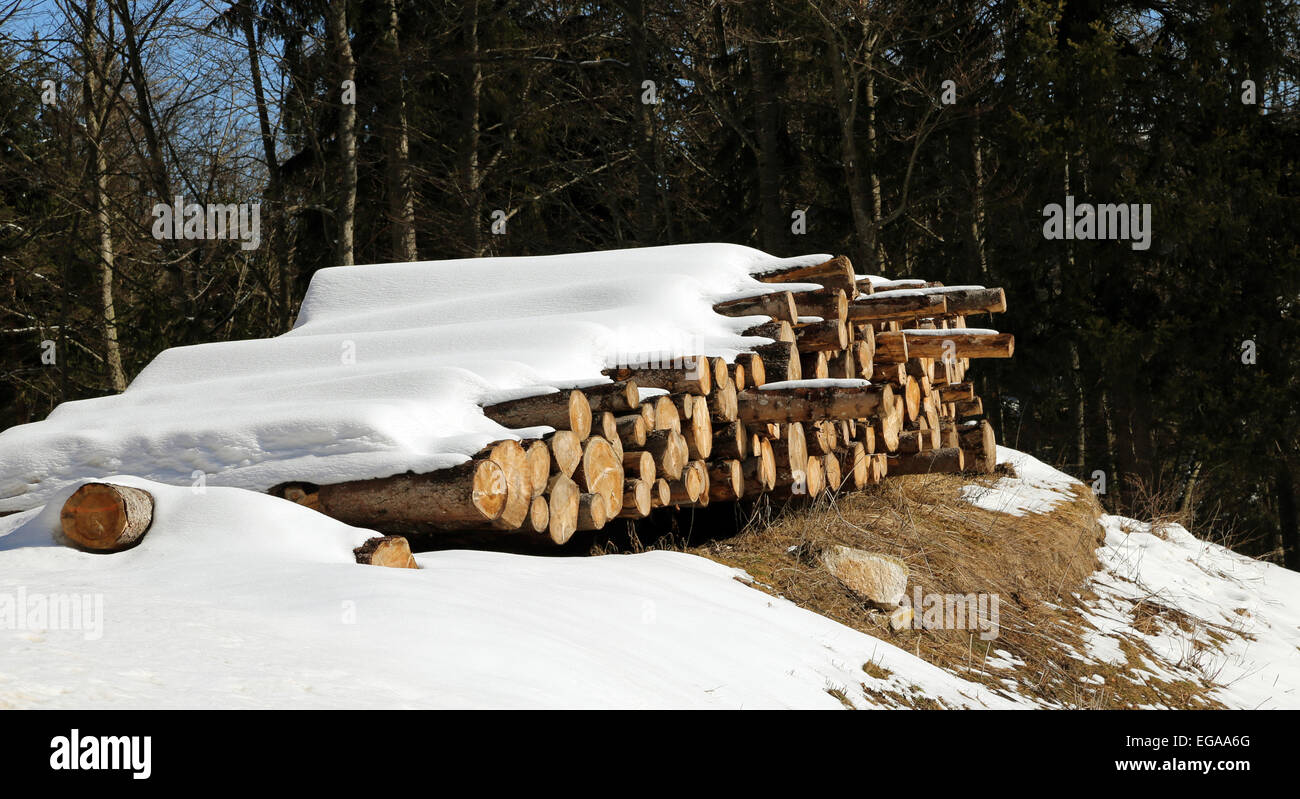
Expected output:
(851, 381)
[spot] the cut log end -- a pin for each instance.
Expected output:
(392, 551)
(106, 518)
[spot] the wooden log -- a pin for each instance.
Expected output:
(910, 441)
(965, 300)
(666, 415)
(820, 437)
(891, 348)
(777, 330)
(759, 470)
(721, 372)
(855, 463)
(660, 493)
(836, 273)
(806, 404)
(962, 343)
(887, 428)
(539, 514)
(563, 500)
(563, 410)
(830, 305)
(731, 441)
(957, 392)
(687, 489)
(670, 452)
(538, 457)
(969, 408)
(814, 366)
(639, 466)
(392, 551)
(890, 306)
(601, 473)
(939, 461)
(471, 495)
(593, 511)
(820, 336)
(104, 517)
(512, 459)
(726, 480)
(755, 370)
(738, 376)
(636, 500)
(791, 449)
(631, 430)
(979, 447)
(911, 394)
(694, 376)
(948, 433)
(777, 304)
(721, 404)
(566, 451)
(831, 471)
(619, 397)
(864, 347)
(780, 361)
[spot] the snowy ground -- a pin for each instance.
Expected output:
(237, 599)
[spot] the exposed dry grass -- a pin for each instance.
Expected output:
(1038, 564)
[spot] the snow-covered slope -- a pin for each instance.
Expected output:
(386, 367)
(238, 599)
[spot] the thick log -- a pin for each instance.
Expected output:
(631, 430)
(666, 415)
(891, 348)
(807, 404)
(471, 495)
(694, 376)
(563, 497)
(891, 306)
(670, 452)
(512, 459)
(814, 366)
(777, 304)
(593, 511)
(836, 273)
(731, 441)
(619, 397)
(538, 457)
(660, 493)
(639, 466)
(104, 517)
(820, 336)
(721, 403)
(687, 489)
(969, 408)
(755, 371)
(601, 473)
(965, 343)
(392, 551)
(832, 306)
(965, 300)
(563, 410)
(939, 461)
(726, 481)
(776, 329)
(566, 451)
(957, 392)
(636, 500)
(780, 361)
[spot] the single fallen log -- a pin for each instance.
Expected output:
(392, 551)
(104, 517)
(563, 410)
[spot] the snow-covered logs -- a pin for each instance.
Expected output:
(848, 379)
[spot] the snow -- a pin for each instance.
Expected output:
(386, 368)
(236, 599)
(1037, 487)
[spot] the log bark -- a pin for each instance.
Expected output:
(726, 481)
(631, 430)
(469, 496)
(832, 306)
(777, 304)
(670, 452)
(593, 511)
(636, 500)
(814, 366)
(836, 273)
(791, 449)
(820, 336)
(807, 404)
(780, 361)
(895, 307)
(694, 376)
(104, 517)
(966, 343)
(777, 330)
(721, 403)
(939, 461)
(639, 466)
(687, 489)
(563, 410)
(619, 397)
(755, 369)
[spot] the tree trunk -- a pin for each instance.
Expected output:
(401, 196)
(337, 22)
